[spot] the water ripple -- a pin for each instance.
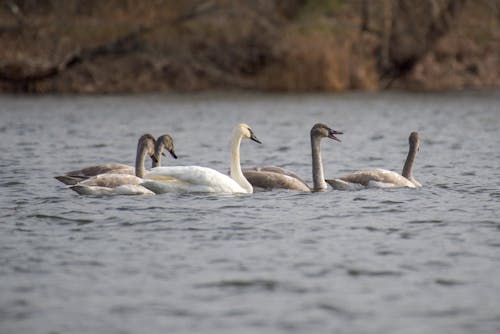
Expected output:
(448, 282)
(365, 272)
(270, 262)
(61, 219)
(243, 284)
(430, 221)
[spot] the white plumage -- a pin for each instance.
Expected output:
(198, 179)
(190, 179)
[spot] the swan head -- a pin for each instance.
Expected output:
(164, 141)
(414, 140)
(246, 132)
(321, 130)
(147, 143)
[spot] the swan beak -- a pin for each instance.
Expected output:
(332, 133)
(172, 153)
(254, 138)
(153, 158)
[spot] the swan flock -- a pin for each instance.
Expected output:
(121, 179)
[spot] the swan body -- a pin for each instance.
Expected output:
(270, 177)
(121, 184)
(185, 179)
(374, 178)
(382, 178)
(73, 177)
(112, 184)
(203, 179)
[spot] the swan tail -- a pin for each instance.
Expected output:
(339, 184)
(69, 180)
(84, 190)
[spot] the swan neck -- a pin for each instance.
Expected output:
(142, 150)
(158, 149)
(236, 173)
(319, 183)
(408, 166)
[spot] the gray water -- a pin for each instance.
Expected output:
(369, 261)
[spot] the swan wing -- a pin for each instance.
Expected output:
(275, 169)
(267, 179)
(110, 180)
(112, 184)
(373, 178)
(339, 184)
(98, 169)
(73, 177)
(69, 180)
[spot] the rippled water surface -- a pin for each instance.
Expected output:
(370, 261)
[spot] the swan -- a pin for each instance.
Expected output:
(203, 179)
(382, 178)
(116, 183)
(164, 141)
(270, 177)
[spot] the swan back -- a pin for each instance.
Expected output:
(266, 179)
(73, 177)
(192, 179)
(378, 178)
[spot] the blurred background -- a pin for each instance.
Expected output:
(124, 46)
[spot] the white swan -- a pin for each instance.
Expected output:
(164, 141)
(382, 178)
(122, 183)
(270, 177)
(202, 179)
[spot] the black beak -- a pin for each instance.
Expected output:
(332, 133)
(152, 156)
(172, 153)
(254, 138)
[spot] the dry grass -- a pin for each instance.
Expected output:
(234, 44)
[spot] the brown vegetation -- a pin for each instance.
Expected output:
(282, 45)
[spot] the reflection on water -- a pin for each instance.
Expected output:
(395, 261)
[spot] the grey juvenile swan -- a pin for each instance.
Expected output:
(115, 183)
(382, 178)
(164, 141)
(270, 177)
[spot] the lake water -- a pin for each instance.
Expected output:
(369, 261)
